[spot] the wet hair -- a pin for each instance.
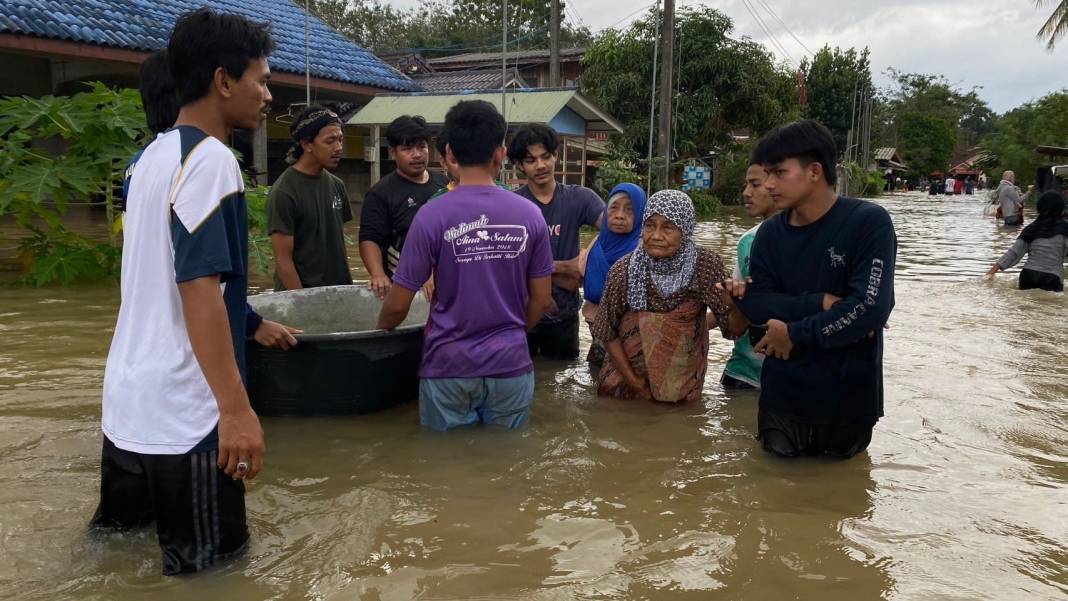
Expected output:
(204, 40)
(159, 97)
(475, 130)
(530, 135)
(407, 130)
(808, 141)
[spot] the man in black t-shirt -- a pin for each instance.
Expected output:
(308, 207)
(390, 205)
(566, 209)
(823, 281)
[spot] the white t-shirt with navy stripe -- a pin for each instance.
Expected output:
(185, 218)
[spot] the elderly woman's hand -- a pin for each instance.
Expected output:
(640, 386)
(733, 288)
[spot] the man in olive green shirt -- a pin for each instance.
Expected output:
(308, 207)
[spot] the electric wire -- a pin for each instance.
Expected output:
(786, 27)
(760, 22)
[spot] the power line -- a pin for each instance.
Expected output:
(767, 31)
(574, 13)
(652, 97)
(786, 27)
(642, 9)
(763, 26)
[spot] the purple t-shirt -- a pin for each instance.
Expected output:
(483, 244)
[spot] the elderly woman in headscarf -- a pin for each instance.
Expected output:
(620, 235)
(1045, 242)
(653, 317)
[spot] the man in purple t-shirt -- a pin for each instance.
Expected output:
(489, 252)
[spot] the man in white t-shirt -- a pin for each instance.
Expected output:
(179, 434)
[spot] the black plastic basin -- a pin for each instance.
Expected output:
(342, 365)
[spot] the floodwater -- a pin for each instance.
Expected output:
(962, 495)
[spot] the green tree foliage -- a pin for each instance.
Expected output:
(832, 80)
(613, 172)
(1056, 26)
(927, 142)
(56, 151)
(927, 118)
(260, 250)
(732, 165)
(438, 27)
(976, 118)
(1043, 122)
(724, 84)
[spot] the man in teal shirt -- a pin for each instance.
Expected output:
(742, 371)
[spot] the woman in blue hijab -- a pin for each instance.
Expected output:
(620, 235)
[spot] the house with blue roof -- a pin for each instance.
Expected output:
(54, 46)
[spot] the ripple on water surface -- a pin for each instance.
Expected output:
(961, 495)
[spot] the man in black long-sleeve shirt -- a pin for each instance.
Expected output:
(823, 282)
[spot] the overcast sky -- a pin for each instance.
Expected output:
(987, 43)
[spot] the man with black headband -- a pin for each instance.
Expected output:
(308, 207)
(390, 205)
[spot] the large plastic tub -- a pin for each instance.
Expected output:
(342, 364)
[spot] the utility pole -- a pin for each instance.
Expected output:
(667, 80)
(652, 101)
(307, 59)
(554, 44)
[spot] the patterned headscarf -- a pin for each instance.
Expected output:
(673, 273)
(308, 125)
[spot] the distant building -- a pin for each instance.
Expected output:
(467, 81)
(52, 47)
(531, 65)
(583, 127)
(889, 160)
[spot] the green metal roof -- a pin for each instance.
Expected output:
(524, 106)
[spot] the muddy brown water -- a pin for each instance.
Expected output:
(962, 494)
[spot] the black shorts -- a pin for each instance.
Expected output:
(788, 438)
(199, 511)
(558, 340)
(1029, 278)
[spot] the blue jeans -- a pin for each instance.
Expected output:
(446, 403)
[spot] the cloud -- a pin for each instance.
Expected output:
(985, 43)
(990, 44)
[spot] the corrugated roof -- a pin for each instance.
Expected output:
(885, 154)
(481, 57)
(458, 81)
(524, 106)
(145, 25)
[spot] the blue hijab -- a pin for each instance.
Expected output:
(610, 247)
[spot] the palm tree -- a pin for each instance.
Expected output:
(1056, 26)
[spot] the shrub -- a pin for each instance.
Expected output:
(92, 135)
(705, 203)
(731, 166)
